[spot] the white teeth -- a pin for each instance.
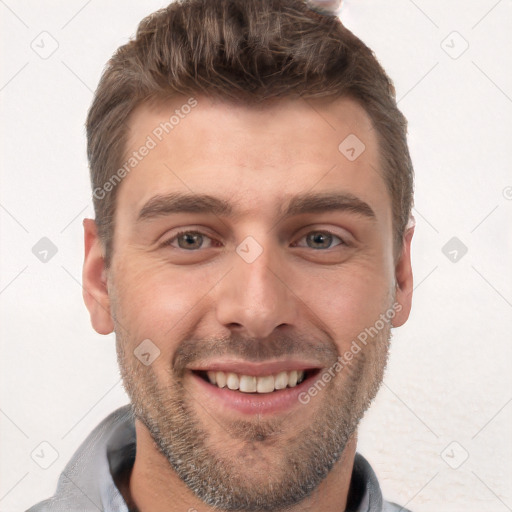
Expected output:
(233, 381)
(281, 380)
(265, 384)
(252, 384)
(219, 379)
(248, 384)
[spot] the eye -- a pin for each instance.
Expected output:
(194, 240)
(321, 240)
(189, 240)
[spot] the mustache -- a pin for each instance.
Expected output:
(255, 350)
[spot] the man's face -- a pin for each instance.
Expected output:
(252, 282)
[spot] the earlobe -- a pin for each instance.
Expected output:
(404, 280)
(95, 281)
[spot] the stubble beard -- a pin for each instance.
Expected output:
(242, 472)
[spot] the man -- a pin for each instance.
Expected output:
(251, 250)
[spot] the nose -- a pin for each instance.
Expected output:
(256, 297)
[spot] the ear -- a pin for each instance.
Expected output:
(94, 279)
(404, 280)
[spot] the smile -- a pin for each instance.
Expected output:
(253, 384)
(250, 394)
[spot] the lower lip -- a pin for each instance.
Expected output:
(254, 403)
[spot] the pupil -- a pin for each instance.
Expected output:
(319, 238)
(190, 238)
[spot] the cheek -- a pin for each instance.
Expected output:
(154, 302)
(349, 301)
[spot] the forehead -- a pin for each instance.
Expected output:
(251, 156)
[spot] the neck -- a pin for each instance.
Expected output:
(154, 486)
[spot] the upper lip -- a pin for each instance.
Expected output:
(254, 369)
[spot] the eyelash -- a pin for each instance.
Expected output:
(323, 231)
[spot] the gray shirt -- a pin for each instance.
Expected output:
(87, 482)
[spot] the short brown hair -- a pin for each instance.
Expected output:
(249, 51)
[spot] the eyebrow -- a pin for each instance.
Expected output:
(178, 202)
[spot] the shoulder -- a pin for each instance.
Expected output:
(86, 482)
(388, 506)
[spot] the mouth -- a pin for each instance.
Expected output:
(252, 384)
(250, 394)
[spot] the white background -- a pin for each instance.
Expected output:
(449, 377)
